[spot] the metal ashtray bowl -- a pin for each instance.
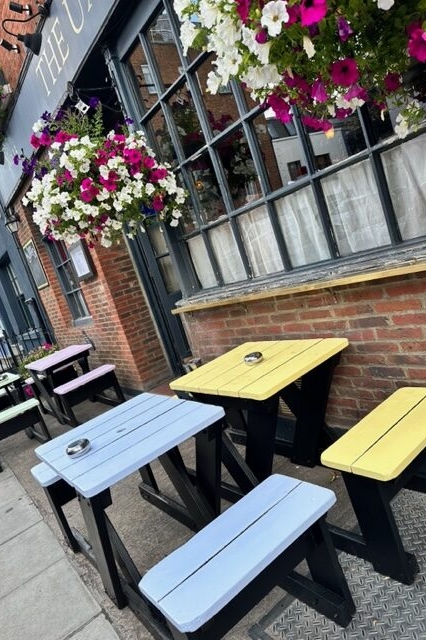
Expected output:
(3, 376)
(253, 358)
(78, 447)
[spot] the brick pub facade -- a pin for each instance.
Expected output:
(286, 234)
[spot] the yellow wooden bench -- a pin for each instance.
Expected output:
(380, 455)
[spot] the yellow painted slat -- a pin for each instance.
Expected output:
(381, 443)
(206, 375)
(294, 368)
(228, 374)
(394, 452)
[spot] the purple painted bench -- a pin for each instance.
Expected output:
(88, 386)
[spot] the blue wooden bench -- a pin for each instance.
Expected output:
(380, 455)
(58, 493)
(88, 386)
(206, 586)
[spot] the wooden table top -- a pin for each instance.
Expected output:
(284, 362)
(125, 438)
(9, 378)
(57, 358)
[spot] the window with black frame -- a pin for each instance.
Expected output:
(68, 279)
(268, 197)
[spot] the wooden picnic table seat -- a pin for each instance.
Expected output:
(206, 586)
(88, 386)
(23, 417)
(380, 455)
(58, 493)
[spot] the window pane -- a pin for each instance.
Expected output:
(301, 226)
(201, 261)
(355, 209)
(157, 239)
(260, 242)
(187, 122)
(168, 273)
(227, 254)
(405, 170)
(161, 140)
(164, 50)
(347, 139)
(284, 157)
(143, 77)
(206, 188)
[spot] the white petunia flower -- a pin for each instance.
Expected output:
(274, 13)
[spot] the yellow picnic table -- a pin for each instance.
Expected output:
(299, 372)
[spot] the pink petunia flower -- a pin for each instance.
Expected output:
(158, 174)
(317, 124)
(392, 81)
(261, 36)
(88, 189)
(344, 72)
(312, 11)
(157, 203)
(318, 91)
(149, 162)
(243, 8)
(417, 42)
(110, 183)
(280, 107)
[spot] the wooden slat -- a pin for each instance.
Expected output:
(383, 443)
(130, 436)
(284, 361)
(17, 409)
(197, 580)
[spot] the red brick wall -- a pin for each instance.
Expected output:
(384, 321)
(121, 328)
(11, 63)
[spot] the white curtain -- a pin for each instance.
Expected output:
(301, 227)
(405, 170)
(227, 254)
(259, 241)
(201, 262)
(355, 210)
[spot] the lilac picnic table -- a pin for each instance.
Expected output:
(44, 368)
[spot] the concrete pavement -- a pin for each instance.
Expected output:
(41, 595)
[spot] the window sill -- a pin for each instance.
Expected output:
(366, 269)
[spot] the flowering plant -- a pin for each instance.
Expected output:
(94, 186)
(41, 351)
(326, 57)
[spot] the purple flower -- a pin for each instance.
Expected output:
(318, 91)
(344, 29)
(94, 102)
(312, 11)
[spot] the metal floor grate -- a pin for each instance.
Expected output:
(385, 609)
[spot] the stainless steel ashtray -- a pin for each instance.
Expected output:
(78, 447)
(253, 358)
(3, 376)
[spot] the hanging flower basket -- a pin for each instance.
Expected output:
(94, 186)
(326, 57)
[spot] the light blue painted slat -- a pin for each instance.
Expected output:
(141, 452)
(100, 423)
(127, 440)
(201, 594)
(44, 474)
(139, 429)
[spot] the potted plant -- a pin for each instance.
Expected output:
(325, 57)
(92, 186)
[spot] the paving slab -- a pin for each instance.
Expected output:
(50, 606)
(26, 555)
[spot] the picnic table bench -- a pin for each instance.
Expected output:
(206, 586)
(379, 456)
